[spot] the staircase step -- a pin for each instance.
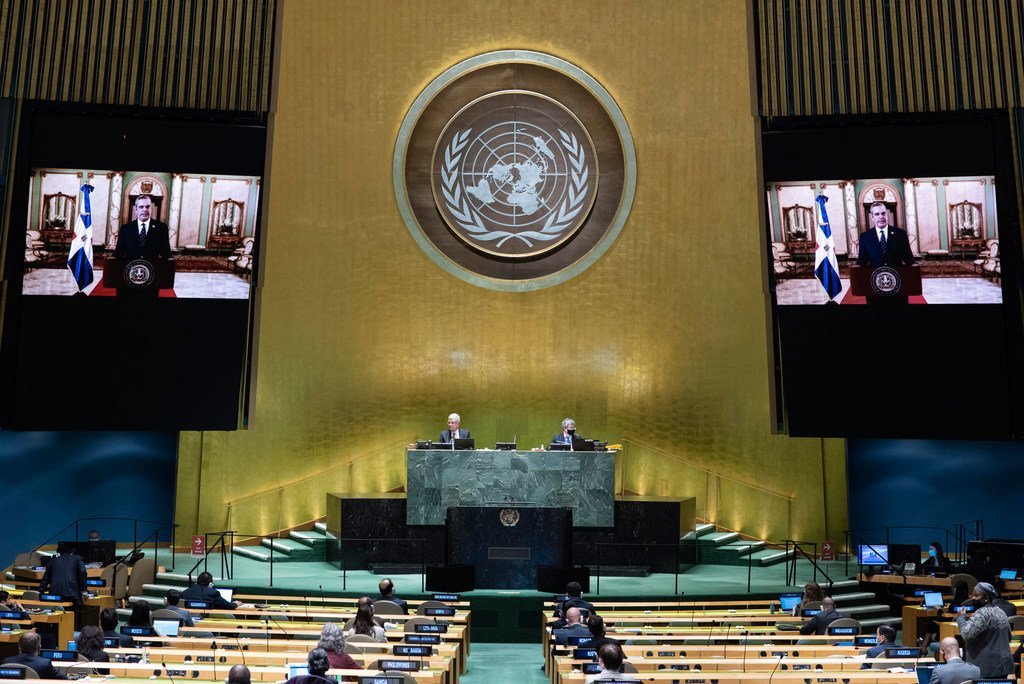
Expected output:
(870, 624)
(858, 597)
(175, 578)
(160, 589)
(308, 537)
(771, 557)
(701, 530)
(253, 553)
(872, 610)
(281, 546)
(321, 527)
(742, 548)
(718, 539)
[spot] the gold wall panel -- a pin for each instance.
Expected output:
(365, 344)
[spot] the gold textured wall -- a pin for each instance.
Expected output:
(364, 343)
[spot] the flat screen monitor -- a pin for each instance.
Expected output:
(464, 443)
(789, 601)
(873, 554)
(297, 669)
(225, 593)
(933, 599)
(167, 628)
(908, 242)
(1007, 574)
(79, 268)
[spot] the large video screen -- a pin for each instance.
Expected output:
(944, 228)
(132, 269)
(893, 286)
(198, 224)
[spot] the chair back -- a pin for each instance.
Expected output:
(116, 577)
(845, 622)
(29, 672)
(167, 614)
(810, 605)
(385, 607)
(30, 595)
(28, 559)
(628, 667)
(422, 608)
(1016, 623)
(962, 585)
(410, 624)
(143, 572)
(360, 639)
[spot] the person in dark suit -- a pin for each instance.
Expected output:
(575, 593)
(820, 622)
(567, 433)
(885, 638)
(882, 244)
(65, 575)
(203, 590)
(955, 670)
(453, 431)
(387, 593)
(28, 655)
(573, 627)
(145, 237)
(108, 621)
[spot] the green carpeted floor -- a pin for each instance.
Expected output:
(500, 663)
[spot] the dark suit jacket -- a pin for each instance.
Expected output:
(820, 622)
(562, 635)
(394, 599)
(446, 435)
(42, 666)
(897, 249)
(158, 244)
(65, 575)
(207, 593)
(123, 640)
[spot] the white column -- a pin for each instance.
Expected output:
(114, 210)
(852, 230)
(910, 208)
(174, 219)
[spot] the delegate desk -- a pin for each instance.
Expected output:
(439, 479)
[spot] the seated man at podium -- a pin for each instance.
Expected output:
(882, 244)
(567, 433)
(453, 432)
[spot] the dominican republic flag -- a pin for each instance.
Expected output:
(80, 259)
(826, 269)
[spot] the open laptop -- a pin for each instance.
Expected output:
(167, 628)
(1008, 574)
(225, 593)
(789, 601)
(464, 444)
(933, 599)
(297, 669)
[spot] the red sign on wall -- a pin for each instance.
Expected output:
(828, 551)
(198, 546)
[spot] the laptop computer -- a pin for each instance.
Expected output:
(933, 599)
(789, 601)
(167, 628)
(225, 593)
(464, 444)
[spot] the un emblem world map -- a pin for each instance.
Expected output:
(514, 174)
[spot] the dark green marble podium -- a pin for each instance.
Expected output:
(581, 480)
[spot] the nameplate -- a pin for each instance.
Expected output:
(111, 642)
(864, 641)
(446, 611)
(57, 598)
(584, 654)
(579, 640)
(422, 639)
(842, 631)
(175, 673)
(137, 631)
(667, 654)
(560, 598)
(12, 615)
(417, 651)
(812, 611)
(903, 653)
(431, 628)
(202, 659)
(446, 597)
(399, 665)
(12, 673)
(779, 654)
(198, 605)
(95, 582)
(6, 628)
(380, 679)
(58, 655)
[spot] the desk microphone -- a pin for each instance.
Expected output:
(167, 671)
(323, 601)
(779, 662)
(725, 648)
(241, 651)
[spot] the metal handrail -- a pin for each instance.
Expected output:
(956, 552)
(798, 550)
(419, 541)
(204, 561)
(135, 532)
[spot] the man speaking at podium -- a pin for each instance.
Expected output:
(143, 238)
(883, 245)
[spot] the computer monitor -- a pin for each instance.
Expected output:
(464, 443)
(933, 599)
(789, 601)
(225, 593)
(102, 551)
(873, 554)
(1007, 574)
(167, 628)
(579, 444)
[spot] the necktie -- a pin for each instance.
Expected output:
(142, 235)
(883, 243)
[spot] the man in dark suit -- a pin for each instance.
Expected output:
(882, 244)
(820, 622)
(567, 433)
(573, 627)
(28, 655)
(575, 593)
(453, 431)
(387, 593)
(203, 590)
(885, 637)
(65, 575)
(143, 238)
(955, 670)
(108, 621)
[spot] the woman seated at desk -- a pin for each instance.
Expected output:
(936, 561)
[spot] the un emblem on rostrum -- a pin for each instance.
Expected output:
(514, 174)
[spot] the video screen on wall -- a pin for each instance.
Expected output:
(132, 268)
(198, 225)
(890, 243)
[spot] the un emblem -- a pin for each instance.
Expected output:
(514, 170)
(885, 281)
(138, 273)
(509, 517)
(514, 174)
